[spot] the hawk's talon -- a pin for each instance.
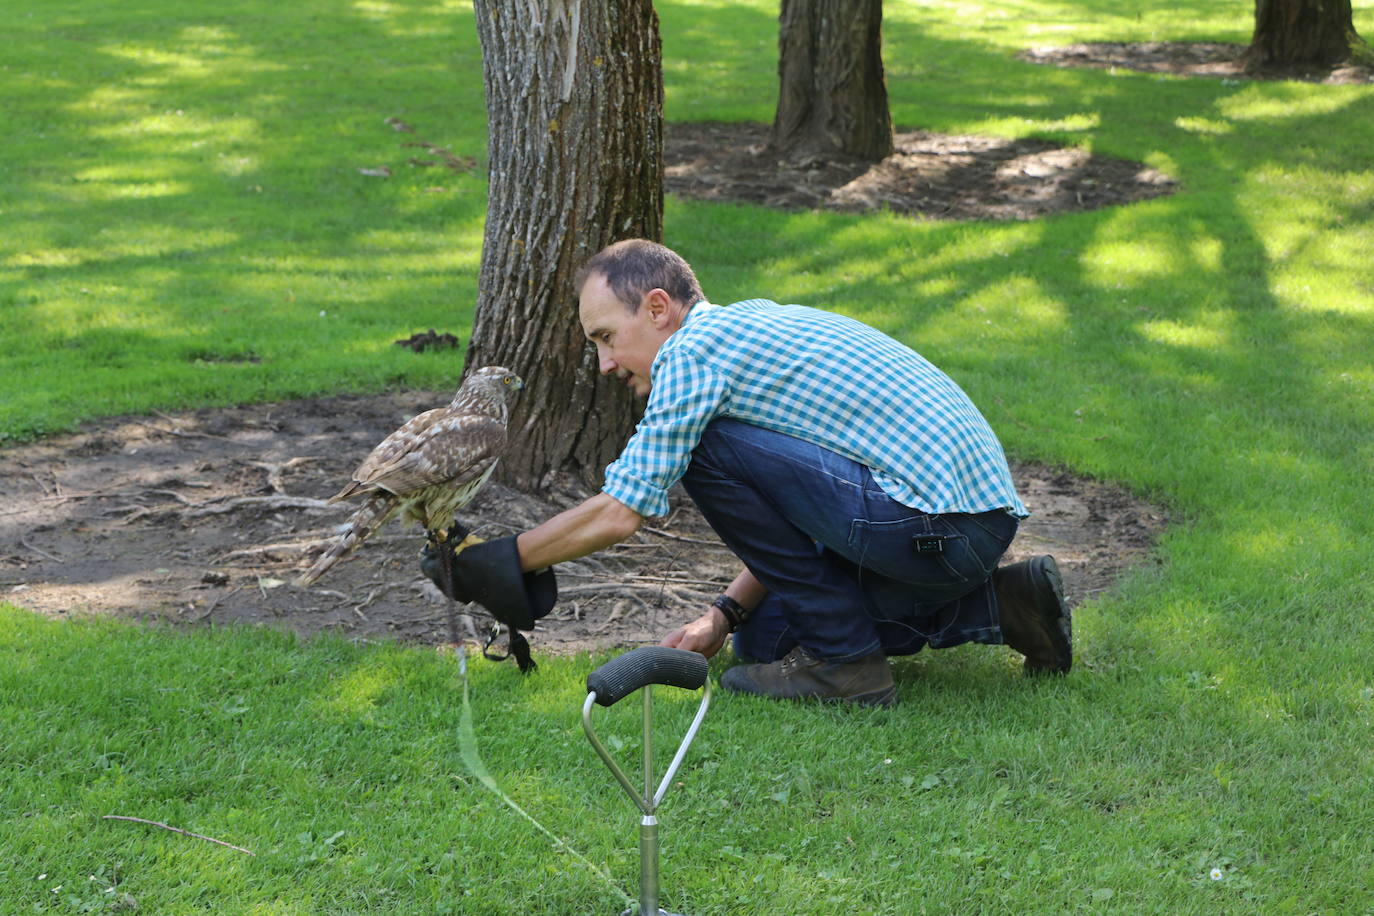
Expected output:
(491, 638)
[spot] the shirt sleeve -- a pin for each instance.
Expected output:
(685, 397)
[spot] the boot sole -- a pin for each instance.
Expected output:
(885, 698)
(1058, 619)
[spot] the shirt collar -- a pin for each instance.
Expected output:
(700, 307)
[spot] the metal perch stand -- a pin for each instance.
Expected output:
(611, 683)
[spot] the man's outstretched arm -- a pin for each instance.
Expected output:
(586, 528)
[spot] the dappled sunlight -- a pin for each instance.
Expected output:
(180, 123)
(235, 165)
(1309, 206)
(1133, 260)
(139, 240)
(1273, 103)
(1018, 126)
(1083, 121)
(1009, 23)
(1017, 308)
(1208, 253)
(65, 319)
(409, 20)
(1178, 334)
(201, 52)
(984, 243)
(425, 258)
(406, 252)
(1200, 125)
(1069, 31)
(1260, 539)
(178, 65)
(376, 9)
(1355, 380)
(1314, 291)
(947, 286)
(358, 691)
(132, 190)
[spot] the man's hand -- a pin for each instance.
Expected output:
(489, 573)
(706, 634)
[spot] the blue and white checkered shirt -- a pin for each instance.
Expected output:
(824, 378)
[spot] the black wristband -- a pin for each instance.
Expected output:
(732, 610)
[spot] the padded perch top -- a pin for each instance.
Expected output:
(624, 674)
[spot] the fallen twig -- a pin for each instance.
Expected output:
(670, 580)
(680, 537)
(54, 499)
(178, 431)
(214, 604)
(609, 588)
(299, 546)
(38, 550)
(175, 495)
(174, 431)
(274, 471)
(139, 820)
(268, 502)
(371, 597)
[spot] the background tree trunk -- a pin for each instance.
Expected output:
(1291, 33)
(832, 98)
(575, 147)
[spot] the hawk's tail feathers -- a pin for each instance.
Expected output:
(369, 517)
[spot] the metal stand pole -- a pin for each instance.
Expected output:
(648, 823)
(608, 684)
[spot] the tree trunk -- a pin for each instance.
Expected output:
(832, 98)
(575, 147)
(1296, 33)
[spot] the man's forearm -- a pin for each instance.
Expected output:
(586, 528)
(747, 590)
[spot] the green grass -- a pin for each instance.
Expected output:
(182, 201)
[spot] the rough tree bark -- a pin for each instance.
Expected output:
(574, 96)
(832, 98)
(1296, 33)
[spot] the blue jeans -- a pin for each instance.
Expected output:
(848, 569)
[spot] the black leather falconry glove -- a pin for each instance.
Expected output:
(488, 573)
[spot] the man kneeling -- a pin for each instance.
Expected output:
(867, 498)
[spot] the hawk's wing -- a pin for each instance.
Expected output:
(435, 447)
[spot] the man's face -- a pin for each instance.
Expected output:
(626, 343)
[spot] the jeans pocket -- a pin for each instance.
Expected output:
(909, 551)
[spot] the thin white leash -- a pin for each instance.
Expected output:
(467, 748)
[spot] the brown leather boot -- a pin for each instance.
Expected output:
(799, 676)
(1035, 617)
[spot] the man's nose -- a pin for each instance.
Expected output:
(608, 365)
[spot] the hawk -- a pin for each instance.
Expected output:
(429, 468)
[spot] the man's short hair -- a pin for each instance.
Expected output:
(635, 266)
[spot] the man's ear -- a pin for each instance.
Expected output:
(660, 306)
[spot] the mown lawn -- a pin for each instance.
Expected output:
(187, 225)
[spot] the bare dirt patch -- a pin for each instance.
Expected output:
(204, 518)
(955, 177)
(1211, 60)
(934, 176)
